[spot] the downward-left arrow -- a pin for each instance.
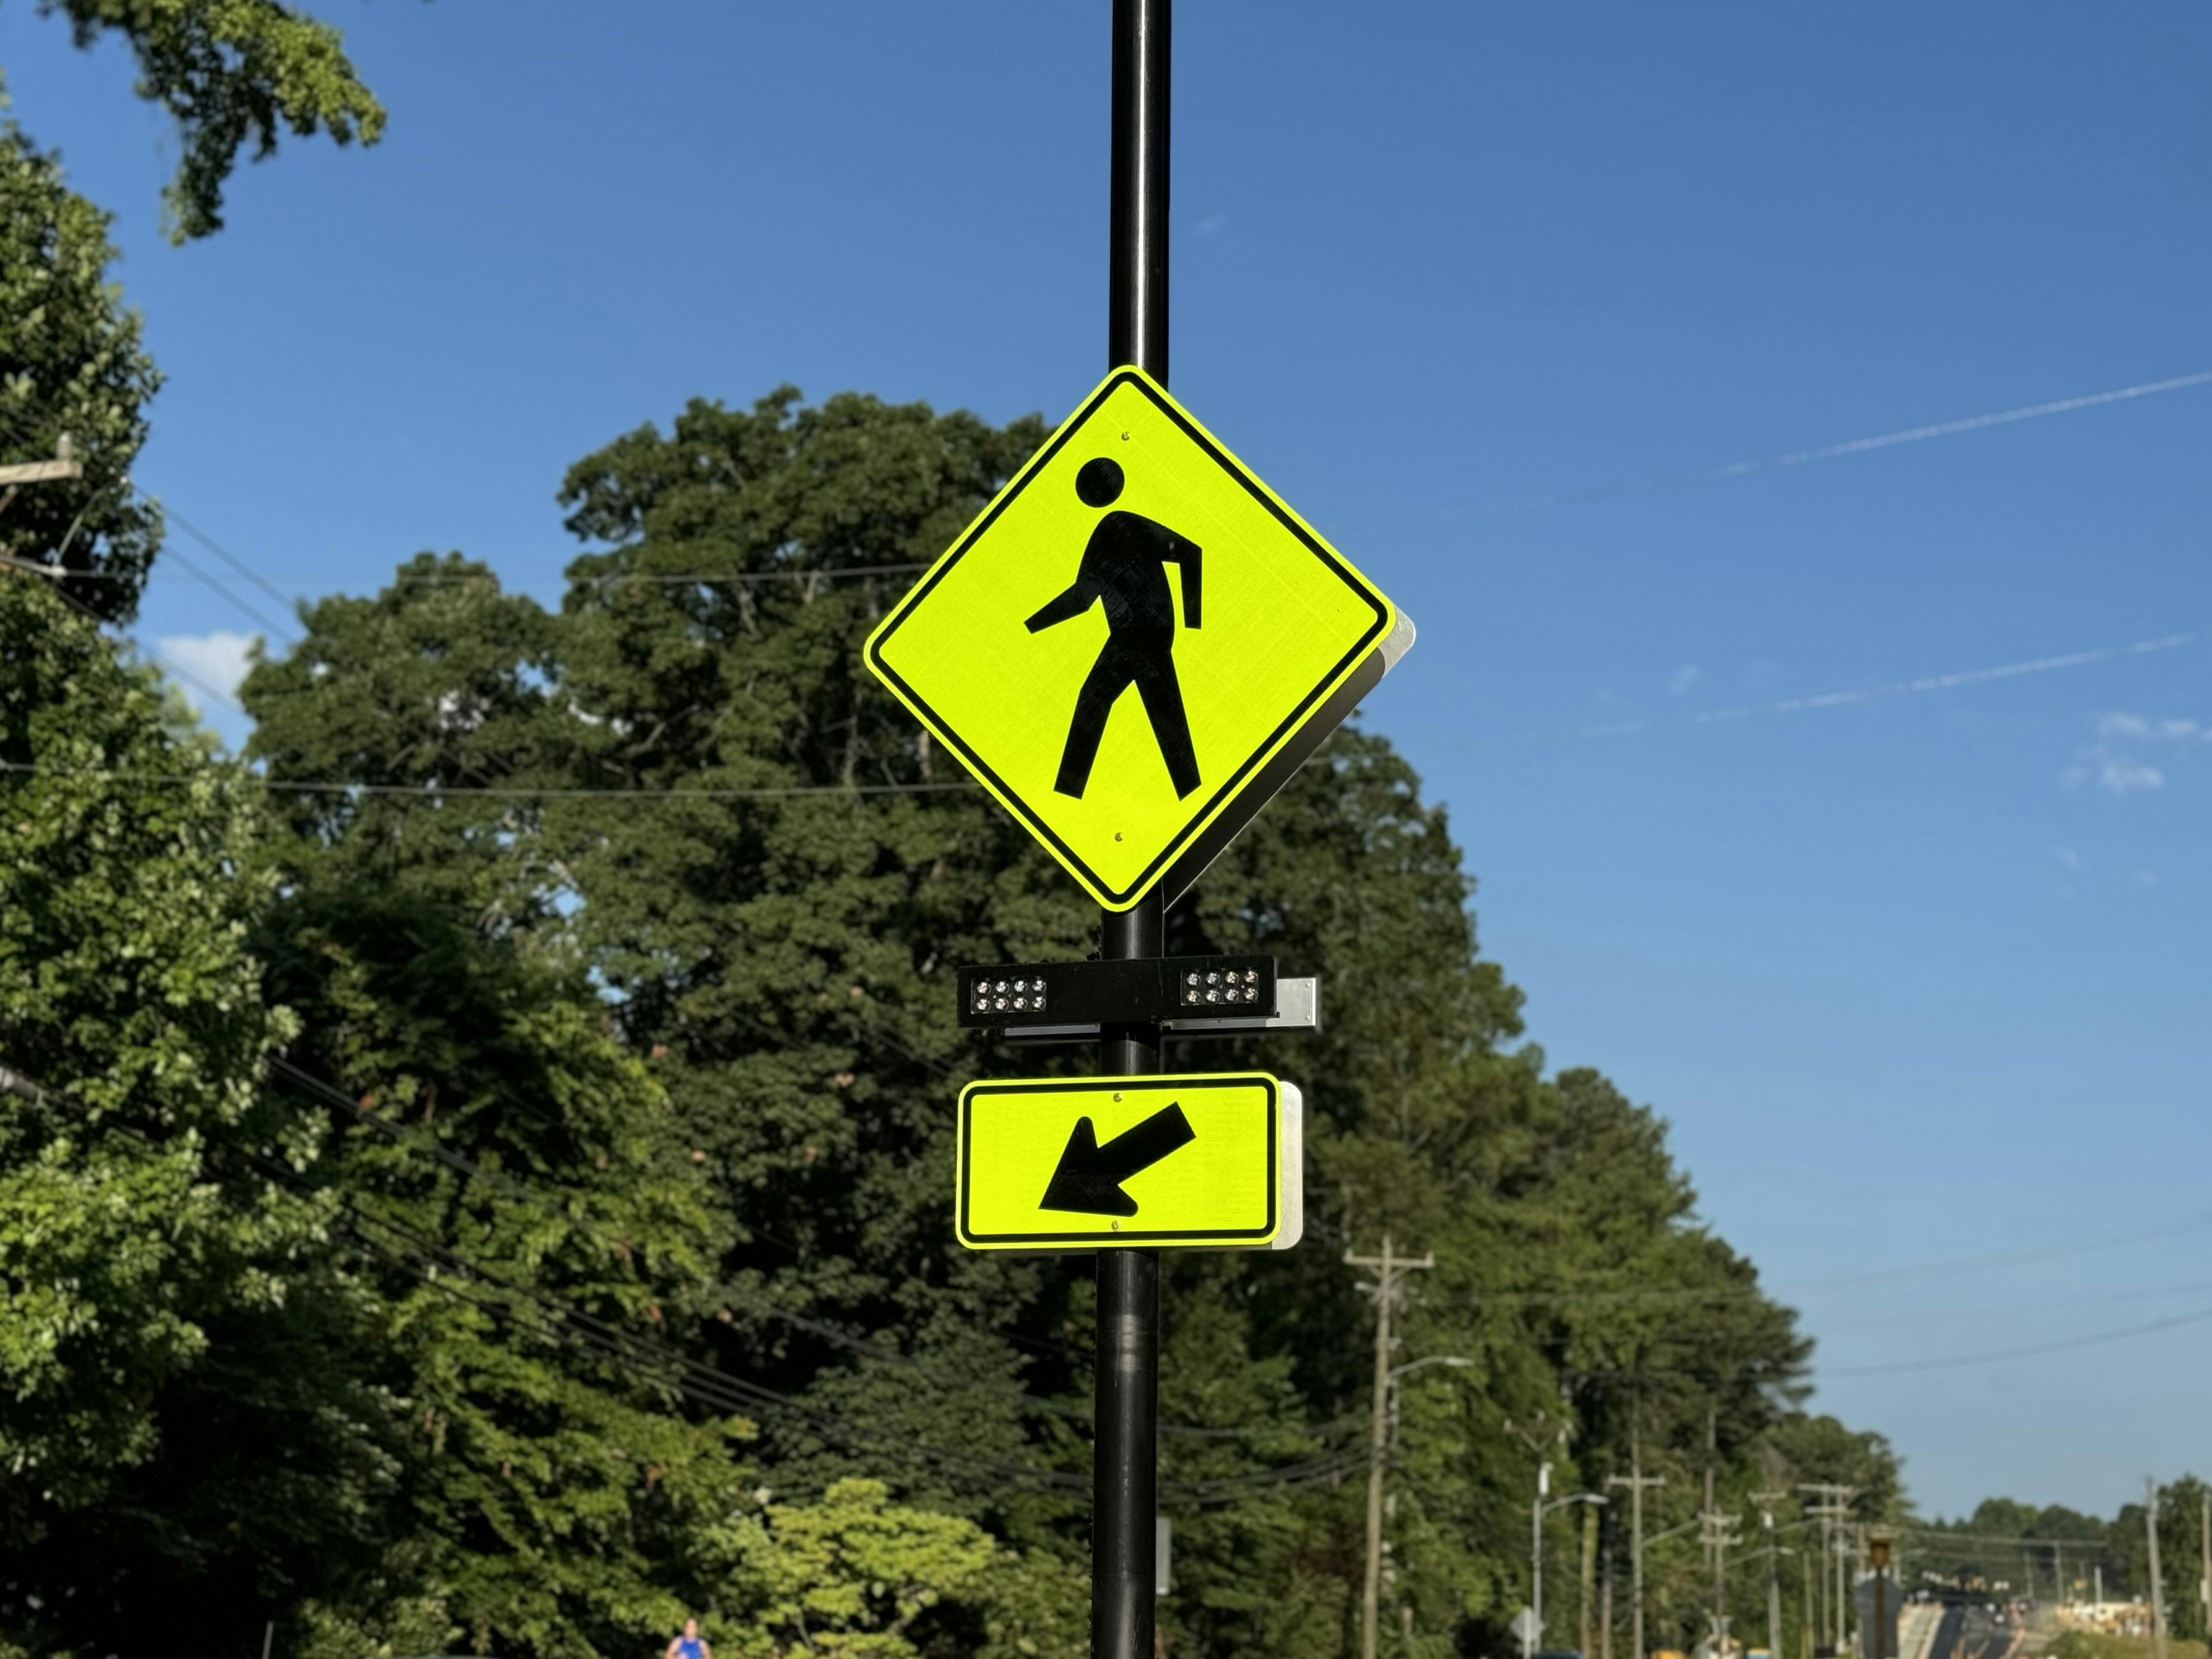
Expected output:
(1089, 1177)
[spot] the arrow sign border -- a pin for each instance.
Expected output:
(1181, 1087)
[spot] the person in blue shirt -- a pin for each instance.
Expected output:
(691, 1644)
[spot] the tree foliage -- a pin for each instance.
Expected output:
(71, 366)
(234, 73)
(847, 1578)
(163, 1291)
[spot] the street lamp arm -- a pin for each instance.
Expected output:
(1458, 1362)
(1577, 1497)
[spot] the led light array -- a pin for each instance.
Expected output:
(1221, 987)
(1023, 995)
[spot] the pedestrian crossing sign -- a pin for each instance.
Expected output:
(1126, 636)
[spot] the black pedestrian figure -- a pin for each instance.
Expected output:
(1122, 565)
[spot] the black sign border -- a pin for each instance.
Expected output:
(1185, 1084)
(1123, 897)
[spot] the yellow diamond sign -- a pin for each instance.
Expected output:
(1126, 636)
(1210, 1161)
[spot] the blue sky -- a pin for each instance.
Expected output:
(1920, 980)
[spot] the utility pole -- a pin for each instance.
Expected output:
(1637, 1482)
(2157, 1583)
(2205, 1569)
(1536, 1561)
(1805, 1618)
(16, 475)
(1717, 1531)
(1834, 1505)
(65, 465)
(1386, 1268)
(1766, 1501)
(1878, 1554)
(1125, 1469)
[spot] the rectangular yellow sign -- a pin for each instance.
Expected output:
(1192, 1161)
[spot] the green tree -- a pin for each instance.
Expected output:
(168, 1294)
(232, 73)
(70, 366)
(847, 1578)
(786, 957)
(528, 1231)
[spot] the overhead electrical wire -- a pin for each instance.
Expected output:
(330, 1095)
(235, 778)
(704, 1384)
(219, 586)
(2025, 1351)
(52, 578)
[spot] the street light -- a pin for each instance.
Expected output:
(1458, 1362)
(1385, 1413)
(1533, 1637)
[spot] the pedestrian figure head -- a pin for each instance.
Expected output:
(1099, 484)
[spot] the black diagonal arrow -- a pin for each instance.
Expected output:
(1090, 1176)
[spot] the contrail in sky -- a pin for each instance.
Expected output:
(1849, 446)
(1860, 694)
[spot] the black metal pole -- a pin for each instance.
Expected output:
(1125, 1475)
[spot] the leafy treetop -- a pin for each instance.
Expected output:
(233, 72)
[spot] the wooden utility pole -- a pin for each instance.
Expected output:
(1766, 1501)
(1588, 1588)
(1834, 1505)
(1878, 1554)
(2205, 1569)
(1386, 1268)
(15, 475)
(65, 465)
(2157, 1581)
(1717, 1531)
(1636, 1480)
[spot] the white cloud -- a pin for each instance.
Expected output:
(2116, 761)
(2067, 856)
(2125, 775)
(220, 658)
(1685, 677)
(2172, 729)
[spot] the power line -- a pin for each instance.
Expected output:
(701, 1382)
(230, 593)
(515, 791)
(671, 579)
(331, 1094)
(1994, 1355)
(54, 577)
(216, 547)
